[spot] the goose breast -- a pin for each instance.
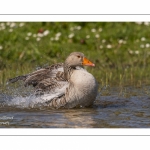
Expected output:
(83, 89)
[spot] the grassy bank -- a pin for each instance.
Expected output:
(120, 50)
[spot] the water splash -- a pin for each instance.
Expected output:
(22, 97)
(26, 102)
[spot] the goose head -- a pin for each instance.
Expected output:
(78, 59)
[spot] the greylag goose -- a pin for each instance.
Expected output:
(64, 85)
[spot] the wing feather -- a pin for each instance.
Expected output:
(48, 77)
(49, 82)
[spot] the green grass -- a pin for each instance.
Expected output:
(120, 50)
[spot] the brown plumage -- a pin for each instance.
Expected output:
(64, 85)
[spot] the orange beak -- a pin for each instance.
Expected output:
(86, 62)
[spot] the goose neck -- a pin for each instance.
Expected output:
(68, 70)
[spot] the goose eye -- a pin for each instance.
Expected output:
(78, 56)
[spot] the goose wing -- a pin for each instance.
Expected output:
(48, 79)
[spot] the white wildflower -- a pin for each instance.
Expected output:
(58, 34)
(88, 36)
(12, 25)
(1, 47)
(143, 39)
(38, 38)
(78, 27)
(2, 24)
(109, 46)
(137, 52)
(40, 35)
(56, 38)
(46, 32)
(97, 35)
(142, 46)
(21, 24)
(130, 51)
(71, 35)
(29, 34)
(147, 45)
(103, 41)
(146, 23)
(139, 23)
(120, 41)
(93, 30)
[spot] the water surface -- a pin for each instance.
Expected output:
(129, 108)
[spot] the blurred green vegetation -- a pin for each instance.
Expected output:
(120, 50)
